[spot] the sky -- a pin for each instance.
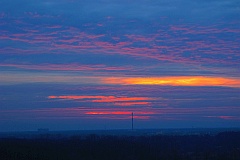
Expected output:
(90, 64)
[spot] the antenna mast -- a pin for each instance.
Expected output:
(132, 120)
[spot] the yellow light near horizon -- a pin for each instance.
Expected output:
(175, 81)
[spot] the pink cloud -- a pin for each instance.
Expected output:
(225, 117)
(150, 46)
(117, 101)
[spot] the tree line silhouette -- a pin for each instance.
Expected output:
(223, 146)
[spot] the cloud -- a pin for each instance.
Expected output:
(13, 77)
(166, 113)
(225, 117)
(66, 67)
(117, 101)
(191, 43)
(175, 81)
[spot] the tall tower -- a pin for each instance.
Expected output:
(132, 120)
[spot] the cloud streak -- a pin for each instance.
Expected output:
(175, 81)
(118, 101)
(71, 78)
(65, 67)
(122, 113)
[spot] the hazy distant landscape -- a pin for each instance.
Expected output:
(165, 144)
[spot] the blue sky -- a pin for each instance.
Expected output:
(70, 64)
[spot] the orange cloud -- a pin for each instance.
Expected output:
(175, 81)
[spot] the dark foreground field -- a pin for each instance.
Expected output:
(223, 146)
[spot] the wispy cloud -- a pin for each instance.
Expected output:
(225, 117)
(13, 77)
(66, 67)
(177, 43)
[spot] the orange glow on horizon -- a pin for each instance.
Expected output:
(175, 81)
